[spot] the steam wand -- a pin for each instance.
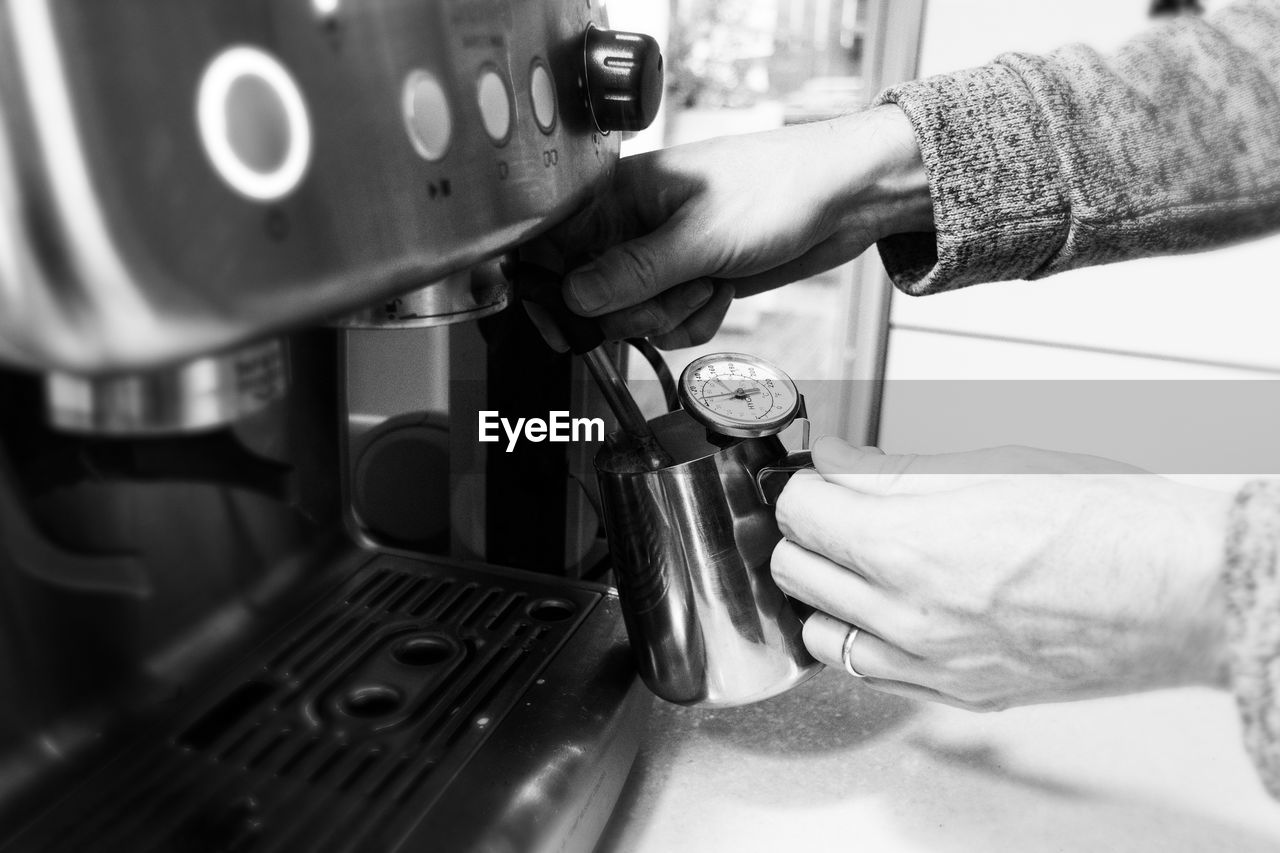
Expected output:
(542, 287)
(644, 444)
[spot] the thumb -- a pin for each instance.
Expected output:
(636, 271)
(872, 471)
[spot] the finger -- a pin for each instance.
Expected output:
(659, 315)
(872, 471)
(834, 589)
(637, 270)
(702, 325)
(872, 534)
(871, 657)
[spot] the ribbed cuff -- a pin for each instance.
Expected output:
(1252, 578)
(999, 205)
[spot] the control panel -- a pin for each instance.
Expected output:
(182, 176)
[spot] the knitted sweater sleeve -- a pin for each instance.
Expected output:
(1039, 164)
(1252, 581)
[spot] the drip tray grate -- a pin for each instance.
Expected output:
(349, 722)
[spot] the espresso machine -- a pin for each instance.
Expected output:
(261, 588)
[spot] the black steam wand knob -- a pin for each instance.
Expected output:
(623, 75)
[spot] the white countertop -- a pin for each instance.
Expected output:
(836, 766)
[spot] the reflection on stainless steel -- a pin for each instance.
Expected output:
(200, 394)
(691, 545)
(467, 295)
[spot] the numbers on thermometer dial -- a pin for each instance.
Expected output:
(738, 395)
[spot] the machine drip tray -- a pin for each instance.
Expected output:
(423, 705)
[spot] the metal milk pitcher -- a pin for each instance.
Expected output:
(691, 544)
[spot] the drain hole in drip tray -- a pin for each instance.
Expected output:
(423, 651)
(552, 609)
(373, 701)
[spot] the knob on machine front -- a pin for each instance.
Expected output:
(623, 77)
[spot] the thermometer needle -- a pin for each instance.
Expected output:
(741, 392)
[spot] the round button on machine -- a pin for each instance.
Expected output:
(427, 118)
(253, 123)
(494, 99)
(542, 91)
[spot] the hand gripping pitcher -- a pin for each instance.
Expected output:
(691, 539)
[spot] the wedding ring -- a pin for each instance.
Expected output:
(846, 652)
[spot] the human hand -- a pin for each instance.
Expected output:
(686, 229)
(1007, 576)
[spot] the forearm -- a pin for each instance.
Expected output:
(1042, 164)
(884, 188)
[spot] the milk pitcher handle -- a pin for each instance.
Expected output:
(771, 479)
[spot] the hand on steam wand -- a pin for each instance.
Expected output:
(685, 229)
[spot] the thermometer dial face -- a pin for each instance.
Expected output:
(738, 395)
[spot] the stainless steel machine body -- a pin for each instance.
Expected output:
(178, 178)
(248, 592)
